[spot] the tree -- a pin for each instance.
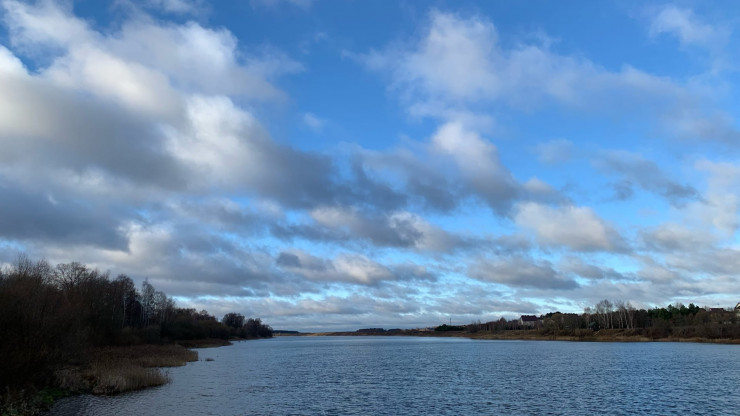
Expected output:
(147, 301)
(604, 310)
(233, 320)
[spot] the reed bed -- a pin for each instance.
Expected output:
(114, 370)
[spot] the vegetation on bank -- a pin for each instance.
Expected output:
(606, 321)
(620, 321)
(70, 329)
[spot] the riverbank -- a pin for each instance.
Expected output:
(108, 371)
(206, 343)
(114, 370)
(604, 335)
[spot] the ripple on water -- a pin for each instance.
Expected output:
(422, 376)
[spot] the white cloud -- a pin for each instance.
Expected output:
(10, 64)
(520, 272)
(346, 267)
(687, 27)
(47, 24)
(188, 57)
(146, 102)
(457, 66)
(478, 160)
(177, 6)
(312, 121)
(395, 229)
(202, 60)
(576, 228)
(217, 142)
(131, 84)
(361, 269)
(577, 266)
(454, 59)
(672, 237)
(719, 207)
(539, 190)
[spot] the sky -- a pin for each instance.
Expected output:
(334, 165)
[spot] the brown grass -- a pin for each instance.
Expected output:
(113, 370)
(114, 379)
(145, 355)
(204, 343)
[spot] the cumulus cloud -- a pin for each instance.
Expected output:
(395, 229)
(28, 216)
(455, 164)
(478, 161)
(348, 268)
(521, 272)
(578, 267)
(345, 268)
(425, 174)
(52, 128)
(121, 103)
(686, 26)
(671, 237)
(577, 228)
(458, 64)
(190, 56)
(719, 208)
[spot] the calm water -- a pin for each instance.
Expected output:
(420, 376)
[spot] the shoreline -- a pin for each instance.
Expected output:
(113, 370)
(531, 335)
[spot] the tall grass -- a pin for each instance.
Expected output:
(113, 370)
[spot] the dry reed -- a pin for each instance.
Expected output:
(113, 370)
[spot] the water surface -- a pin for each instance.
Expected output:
(443, 376)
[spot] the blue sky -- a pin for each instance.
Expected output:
(335, 165)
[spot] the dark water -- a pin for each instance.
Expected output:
(442, 376)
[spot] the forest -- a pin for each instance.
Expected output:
(618, 319)
(56, 317)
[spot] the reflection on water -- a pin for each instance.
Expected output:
(420, 376)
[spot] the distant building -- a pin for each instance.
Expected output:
(529, 321)
(737, 309)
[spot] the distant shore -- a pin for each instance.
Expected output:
(604, 335)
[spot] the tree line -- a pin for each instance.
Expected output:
(50, 315)
(677, 320)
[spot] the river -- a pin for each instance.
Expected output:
(438, 376)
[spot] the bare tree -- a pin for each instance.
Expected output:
(147, 301)
(604, 310)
